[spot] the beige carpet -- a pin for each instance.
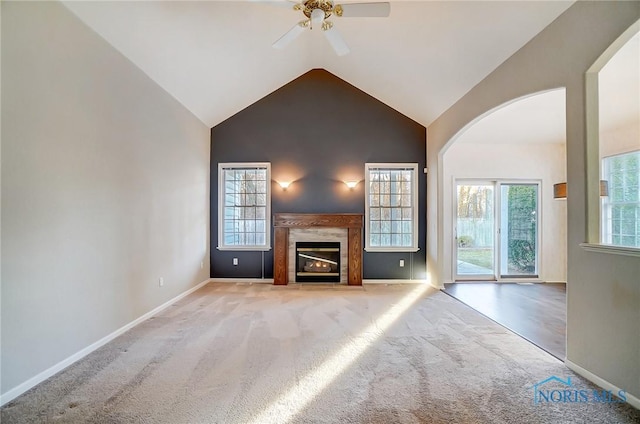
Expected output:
(240, 353)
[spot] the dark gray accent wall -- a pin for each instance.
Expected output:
(317, 131)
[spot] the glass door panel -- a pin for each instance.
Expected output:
(475, 231)
(518, 230)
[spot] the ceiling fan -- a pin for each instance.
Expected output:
(317, 12)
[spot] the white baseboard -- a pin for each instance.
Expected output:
(242, 280)
(33, 381)
(631, 399)
(372, 281)
(270, 281)
(441, 286)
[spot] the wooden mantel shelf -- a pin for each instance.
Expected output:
(284, 221)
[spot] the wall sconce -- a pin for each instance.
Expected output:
(351, 184)
(604, 188)
(284, 184)
(560, 190)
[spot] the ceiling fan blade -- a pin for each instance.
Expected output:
(289, 36)
(336, 41)
(363, 10)
(286, 4)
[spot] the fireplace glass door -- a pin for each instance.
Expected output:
(318, 262)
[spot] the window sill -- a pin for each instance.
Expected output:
(245, 248)
(610, 249)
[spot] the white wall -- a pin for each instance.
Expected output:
(105, 189)
(623, 139)
(603, 297)
(543, 162)
(619, 101)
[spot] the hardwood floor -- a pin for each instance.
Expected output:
(537, 312)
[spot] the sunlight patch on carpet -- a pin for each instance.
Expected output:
(294, 400)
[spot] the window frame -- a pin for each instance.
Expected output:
(606, 205)
(413, 167)
(222, 167)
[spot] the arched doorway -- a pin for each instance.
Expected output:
(505, 225)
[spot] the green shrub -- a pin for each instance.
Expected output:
(522, 255)
(465, 241)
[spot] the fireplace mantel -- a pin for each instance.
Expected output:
(282, 222)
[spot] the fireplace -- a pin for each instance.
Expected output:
(346, 228)
(317, 262)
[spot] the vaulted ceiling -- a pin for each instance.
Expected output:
(216, 57)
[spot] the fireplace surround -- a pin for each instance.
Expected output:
(351, 223)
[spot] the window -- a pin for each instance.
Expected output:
(621, 209)
(391, 212)
(244, 206)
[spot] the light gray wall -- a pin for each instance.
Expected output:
(603, 289)
(104, 190)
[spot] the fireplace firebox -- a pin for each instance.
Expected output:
(318, 262)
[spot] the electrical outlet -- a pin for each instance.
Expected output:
(161, 282)
(401, 263)
(235, 261)
(201, 264)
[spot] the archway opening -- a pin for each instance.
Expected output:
(502, 221)
(613, 146)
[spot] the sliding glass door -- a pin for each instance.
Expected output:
(475, 229)
(496, 230)
(518, 230)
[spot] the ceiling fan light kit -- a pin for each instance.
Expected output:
(317, 11)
